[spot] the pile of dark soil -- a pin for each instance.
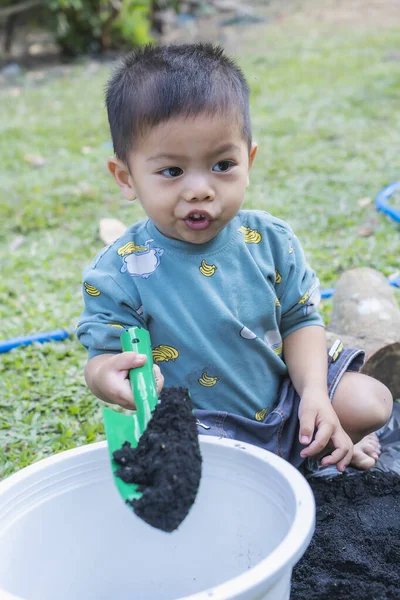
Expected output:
(355, 552)
(166, 464)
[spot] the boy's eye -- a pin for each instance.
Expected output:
(171, 172)
(222, 165)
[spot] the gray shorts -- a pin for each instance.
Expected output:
(279, 431)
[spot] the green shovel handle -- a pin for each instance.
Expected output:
(137, 339)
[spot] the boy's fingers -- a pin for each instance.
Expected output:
(129, 360)
(334, 458)
(128, 404)
(342, 443)
(307, 426)
(346, 461)
(321, 439)
(158, 376)
(125, 396)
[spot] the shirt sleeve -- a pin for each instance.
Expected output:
(107, 312)
(298, 290)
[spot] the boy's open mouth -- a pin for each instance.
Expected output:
(197, 220)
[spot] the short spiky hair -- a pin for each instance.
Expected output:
(155, 83)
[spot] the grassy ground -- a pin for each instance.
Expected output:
(325, 114)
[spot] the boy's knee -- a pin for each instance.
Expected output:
(383, 401)
(362, 403)
(378, 403)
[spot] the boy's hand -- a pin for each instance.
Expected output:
(316, 412)
(107, 377)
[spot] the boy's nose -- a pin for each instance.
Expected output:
(198, 190)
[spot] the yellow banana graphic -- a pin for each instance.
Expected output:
(129, 248)
(165, 353)
(207, 270)
(259, 416)
(277, 303)
(304, 299)
(251, 236)
(291, 250)
(207, 381)
(278, 349)
(278, 276)
(115, 325)
(91, 290)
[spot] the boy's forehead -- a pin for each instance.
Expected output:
(200, 132)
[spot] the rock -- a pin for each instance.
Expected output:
(366, 315)
(110, 230)
(365, 306)
(35, 160)
(363, 202)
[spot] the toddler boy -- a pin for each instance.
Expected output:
(226, 294)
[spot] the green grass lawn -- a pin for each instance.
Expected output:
(325, 115)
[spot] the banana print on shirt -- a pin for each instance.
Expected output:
(130, 247)
(208, 381)
(207, 270)
(251, 236)
(311, 299)
(91, 290)
(260, 415)
(165, 353)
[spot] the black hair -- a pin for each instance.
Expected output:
(155, 83)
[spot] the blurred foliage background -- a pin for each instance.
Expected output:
(82, 26)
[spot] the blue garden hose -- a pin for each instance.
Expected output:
(56, 336)
(381, 203)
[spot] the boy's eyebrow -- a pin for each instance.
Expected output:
(179, 157)
(226, 148)
(165, 156)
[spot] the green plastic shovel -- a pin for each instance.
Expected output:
(122, 428)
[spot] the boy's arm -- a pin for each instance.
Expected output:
(108, 310)
(306, 359)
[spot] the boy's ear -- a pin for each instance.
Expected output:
(253, 152)
(123, 178)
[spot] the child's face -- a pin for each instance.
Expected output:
(190, 175)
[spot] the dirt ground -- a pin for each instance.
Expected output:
(355, 551)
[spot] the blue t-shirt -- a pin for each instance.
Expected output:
(216, 312)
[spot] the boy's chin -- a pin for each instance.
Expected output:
(190, 236)
(199, 237)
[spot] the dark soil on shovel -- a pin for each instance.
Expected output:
(355, 551)
(166, 464)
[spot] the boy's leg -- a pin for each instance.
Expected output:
(363, 406)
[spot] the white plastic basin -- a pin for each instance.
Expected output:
(65, 534)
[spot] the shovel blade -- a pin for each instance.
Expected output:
(119, 429)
